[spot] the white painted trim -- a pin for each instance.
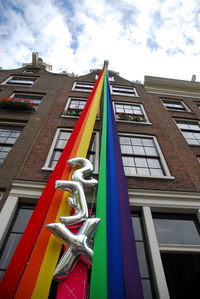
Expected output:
(157, 267)
(170, 200)
(6, 216)
(20, 189)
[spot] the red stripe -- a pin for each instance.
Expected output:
(20, 258)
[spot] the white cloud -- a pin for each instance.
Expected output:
(158, 38)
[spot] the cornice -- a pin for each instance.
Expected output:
(172, 86)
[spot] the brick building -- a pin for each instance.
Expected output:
(158, 124)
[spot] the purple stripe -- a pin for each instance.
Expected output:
(133, 286)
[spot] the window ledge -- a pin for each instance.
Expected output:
(51, 169)
(152, 177)
(194, 145)
(134, 122)
(125, 95)
(179, 247)
(81, 90)
(47, 168)
(75, 117)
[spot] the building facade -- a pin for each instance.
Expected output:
(158, 125)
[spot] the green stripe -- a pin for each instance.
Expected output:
(98, 285)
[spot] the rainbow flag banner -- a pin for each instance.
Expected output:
(30, 272)
(115, 270)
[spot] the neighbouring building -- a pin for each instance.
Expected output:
(158, 125)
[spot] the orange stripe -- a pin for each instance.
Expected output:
(29, 278)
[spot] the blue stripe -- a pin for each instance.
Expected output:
(114, 245)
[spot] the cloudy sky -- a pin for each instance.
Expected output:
(138, 37)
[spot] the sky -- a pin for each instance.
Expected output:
(139, 37)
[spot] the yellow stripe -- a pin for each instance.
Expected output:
(44, 279)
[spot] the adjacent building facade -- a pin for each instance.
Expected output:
(158, 125)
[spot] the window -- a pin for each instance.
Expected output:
(8, 137)
(190, 130)
(58, 144)
(130, 112)
(179, 241)
(176, 229)
(143, 258)
(33, 99)
(74, 107)
(141, 156)
(83, 86)
(176, 105)
(20, 80)
(31, 71)
(123, 90)
(17, 228)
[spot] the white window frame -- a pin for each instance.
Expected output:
(84, 84)
(20, 85)
(186, 121)
(161, 157)
(175, 101)
(68, 103)
(49, 156)
(121, 88)
(163, 202)
(132, 121)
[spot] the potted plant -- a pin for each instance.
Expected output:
(16, 104)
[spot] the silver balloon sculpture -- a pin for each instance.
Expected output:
(78, 244)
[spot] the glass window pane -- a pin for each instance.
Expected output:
(153, 163)
(138, 150)
(142, 259)
(10, 140)
(143, 171)
(137, 228)
(125, 140)
(22, 220)
(126, 149)
(10, 247)
(156, 172)
(130, 171)
(64, 135)
(61, 144)
(150, 151)
(141, 162)
(176, 231)
(3, 155)
(146, 286)
(136, 141)
(147, 142)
